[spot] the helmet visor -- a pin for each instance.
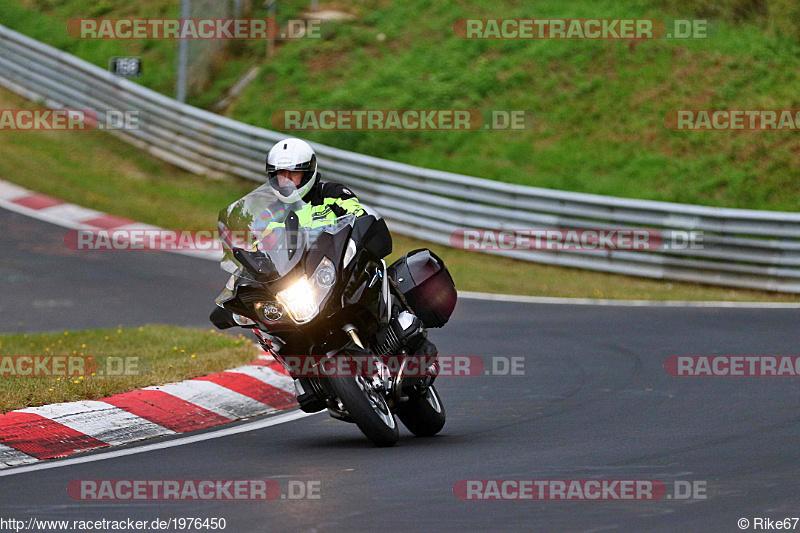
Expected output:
(283, 186)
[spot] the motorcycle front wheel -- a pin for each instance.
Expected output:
(368, 408)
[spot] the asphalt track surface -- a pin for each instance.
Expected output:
(594, 402)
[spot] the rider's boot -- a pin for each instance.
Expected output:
(427, 354)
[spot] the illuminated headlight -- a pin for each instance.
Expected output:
(300, 300)
(303, 298)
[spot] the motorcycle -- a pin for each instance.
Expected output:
(321, 287)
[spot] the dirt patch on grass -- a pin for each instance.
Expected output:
(319, 63)
(332, 11)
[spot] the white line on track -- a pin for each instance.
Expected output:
(622, 303)
(180, 441)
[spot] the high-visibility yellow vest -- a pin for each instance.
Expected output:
(314, 216)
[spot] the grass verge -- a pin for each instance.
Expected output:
(96, 170)
(125, 359)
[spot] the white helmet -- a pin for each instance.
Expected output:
(292, 154)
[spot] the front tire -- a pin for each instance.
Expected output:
(367, 408)
(424, 416)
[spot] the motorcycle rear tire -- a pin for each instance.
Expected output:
(424, 416)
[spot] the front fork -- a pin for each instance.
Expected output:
(267, 346)
(352, 332)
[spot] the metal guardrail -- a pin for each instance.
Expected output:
(741, 248)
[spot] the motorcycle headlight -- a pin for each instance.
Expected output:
(325, 274)
(300, 300)
(303, 298)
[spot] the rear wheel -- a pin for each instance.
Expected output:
(368, 408)
(424, 416)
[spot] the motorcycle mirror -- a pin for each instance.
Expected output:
(373, 235)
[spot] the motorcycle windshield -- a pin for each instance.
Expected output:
(262, 222)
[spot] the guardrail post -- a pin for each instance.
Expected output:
(183, 56)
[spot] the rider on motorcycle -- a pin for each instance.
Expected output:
(292, 173)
